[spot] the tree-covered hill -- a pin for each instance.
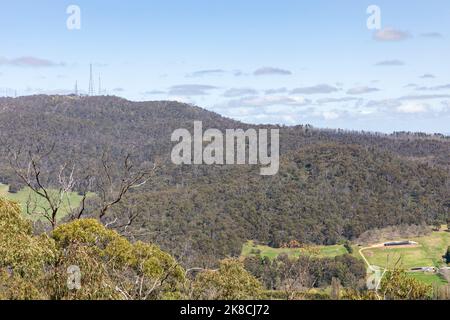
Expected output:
(332, 184)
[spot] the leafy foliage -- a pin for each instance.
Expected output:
(111, 267)
(22, 255)
(306, 271)
(230, 282)
(397, 285)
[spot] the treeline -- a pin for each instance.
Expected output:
(294, 275)
(84, 260)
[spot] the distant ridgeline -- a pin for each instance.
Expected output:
(332, 184)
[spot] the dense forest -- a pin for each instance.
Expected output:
(332, 185)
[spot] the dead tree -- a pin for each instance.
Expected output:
(113, 182)
(30, 167)
(110, 180)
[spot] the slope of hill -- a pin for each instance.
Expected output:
(332, 184)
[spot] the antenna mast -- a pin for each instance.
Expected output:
(99, 85)
(91, 82)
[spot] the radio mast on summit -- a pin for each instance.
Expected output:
(91, 83)
(99, 85)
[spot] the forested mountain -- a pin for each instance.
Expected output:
(332, 184)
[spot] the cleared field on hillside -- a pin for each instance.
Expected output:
(72, 200)
(250, 248)
(428, 278)
(428, 253)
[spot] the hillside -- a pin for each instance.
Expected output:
(332, 184)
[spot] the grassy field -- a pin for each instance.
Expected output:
(428, 253)
(428, 278)
(250, 248)
(72, 200)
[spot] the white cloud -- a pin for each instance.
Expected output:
(201, 73)
(191, 90)
(362, 90)
(271, 101)
(275, 91)
(336, 100)
(239, 92)
(425, 97)
(434, 35)
(412, 107)
(317, 89)
(435, 88)
(391, 34)
(29, 61)
(330, 115)
(394, 62)
(271, 71)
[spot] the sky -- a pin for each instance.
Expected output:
(279, 62)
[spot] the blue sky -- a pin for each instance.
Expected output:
(286, 62)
